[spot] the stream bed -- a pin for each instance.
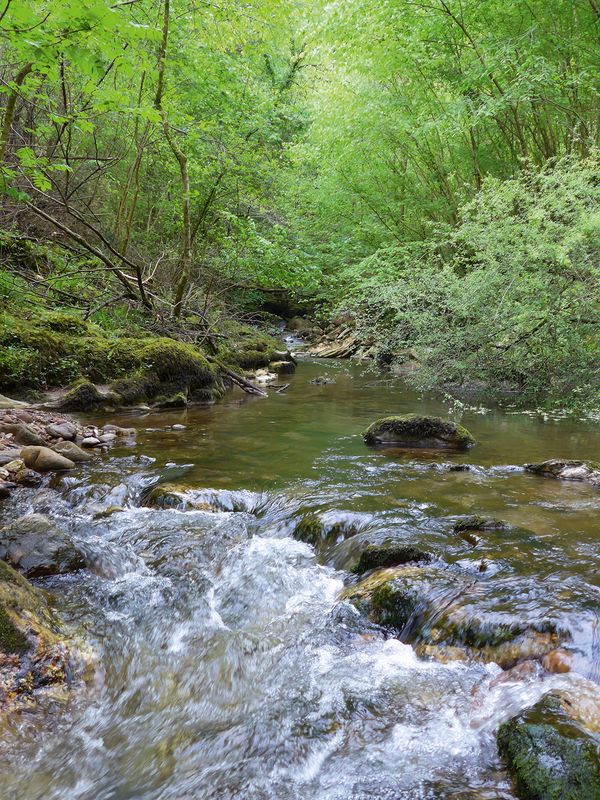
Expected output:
(227, 665)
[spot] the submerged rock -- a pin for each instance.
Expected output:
(438, 606)
(476, 523)
(567, 470)
(388, 555)
(548, 756)
(414, 430)
(42, 459)
(35, 547)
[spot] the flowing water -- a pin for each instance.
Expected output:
(226, 664)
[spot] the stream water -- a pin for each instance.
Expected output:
(227, 666)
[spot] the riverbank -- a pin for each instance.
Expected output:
(224, 546)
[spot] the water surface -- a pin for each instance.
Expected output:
(227, 665)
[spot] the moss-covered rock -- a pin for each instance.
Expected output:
(137, 388)
(548, 756)
(389, 555)
(84, 396)
(567, 470)
(36, 655)
(282, 367)
(314, 531)
(177, 400)
(414, 430)
(432, 604)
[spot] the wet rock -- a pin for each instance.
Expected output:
(118, 431)
(35, 547)
(438, 606)
(34, 654)
(42, 459)
(388, 555)
(71, 451)
(548, 756)
(315, 531)
(62, 430)
(414, 430)
(476, 523)
(5, 488)
(178, 427)
(557, 661)
(567, 470)
(166, 495)
(22, 433)
(108, 438)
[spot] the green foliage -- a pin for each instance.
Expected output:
(508, 297)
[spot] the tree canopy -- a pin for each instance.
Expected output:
(431, 166)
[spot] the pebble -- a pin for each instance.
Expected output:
(178, 427)
(108, 437)
(90, 441)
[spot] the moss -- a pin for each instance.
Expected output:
(548, 756)
(138, 388)
(420, 431)
(282, 367)
(83, 397)
(388, 555)
(309, 529)
(12, 640)
(177, 400)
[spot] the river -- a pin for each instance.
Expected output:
(227, 666)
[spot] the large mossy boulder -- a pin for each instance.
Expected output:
(567, 470)
(415, 430)
(549, 756)
(37, 548)
(33, 653)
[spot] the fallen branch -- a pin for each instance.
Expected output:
(245, 385)
(282, 388)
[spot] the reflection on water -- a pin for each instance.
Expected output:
(228, 668)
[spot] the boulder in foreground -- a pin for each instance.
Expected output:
(567, 470)
(548, 756)
(33, 654)
(415, 430)
(37, 548)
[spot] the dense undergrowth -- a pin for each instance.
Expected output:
(507, 298)
(44, 345)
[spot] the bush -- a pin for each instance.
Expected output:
(507, 297)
